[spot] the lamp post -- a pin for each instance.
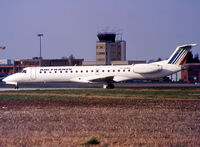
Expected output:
(40, 36)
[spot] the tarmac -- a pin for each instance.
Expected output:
(94, 86)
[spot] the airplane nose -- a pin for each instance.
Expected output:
(10, 79)
(5, 79)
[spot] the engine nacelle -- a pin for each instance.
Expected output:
(146, 68)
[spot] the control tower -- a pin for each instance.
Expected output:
(106, 37)
(109, 49)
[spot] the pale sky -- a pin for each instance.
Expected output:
(151, 28)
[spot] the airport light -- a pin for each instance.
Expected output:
(40, 36)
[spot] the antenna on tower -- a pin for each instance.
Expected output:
(119, 34)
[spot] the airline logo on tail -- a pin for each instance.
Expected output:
(180, 54)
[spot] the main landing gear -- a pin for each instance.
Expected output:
(108, 86)
(16, 86)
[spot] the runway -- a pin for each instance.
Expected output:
(34, 89)
(95, 86)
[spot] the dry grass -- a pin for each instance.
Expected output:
(51, 122)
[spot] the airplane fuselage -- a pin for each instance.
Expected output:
(105, 74)
(86, 74)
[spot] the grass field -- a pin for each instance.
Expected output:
(116, 93)
(119, 117)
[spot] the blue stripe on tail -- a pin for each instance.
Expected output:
(178, 57)
(172, 59)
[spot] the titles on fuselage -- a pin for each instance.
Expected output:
(96, 69)
(55, 69)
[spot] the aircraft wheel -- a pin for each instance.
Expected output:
(16, 87)
(105, 86)
(110, 86)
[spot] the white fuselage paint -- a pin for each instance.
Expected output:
(86, 74)
(111, 73)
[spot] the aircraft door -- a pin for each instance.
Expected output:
(33, 73)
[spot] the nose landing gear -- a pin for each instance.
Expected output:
(16, 86)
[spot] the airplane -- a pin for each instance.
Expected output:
(107, 74)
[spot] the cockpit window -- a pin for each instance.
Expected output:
(24, 71)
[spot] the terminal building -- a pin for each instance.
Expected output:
(20, 64)
(191, 73)
(6, 67)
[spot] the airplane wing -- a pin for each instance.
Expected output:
(100, 79)
(92, 79)
(103, 79)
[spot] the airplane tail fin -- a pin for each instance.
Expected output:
(180, 54)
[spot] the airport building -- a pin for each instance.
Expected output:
(5, 62)
(6, 67)
(191, 73)
(6, 70)
(18, 65)
(110, 51)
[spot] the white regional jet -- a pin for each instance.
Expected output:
(105, 74)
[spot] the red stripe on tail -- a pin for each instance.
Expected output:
(181, 63)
